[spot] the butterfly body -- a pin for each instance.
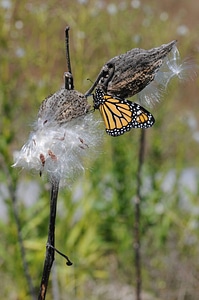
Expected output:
(121, 115)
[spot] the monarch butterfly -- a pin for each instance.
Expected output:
(120, 115)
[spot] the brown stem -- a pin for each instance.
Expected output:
(68, 76)
(50, 252)
(137, 218)
(12, 190)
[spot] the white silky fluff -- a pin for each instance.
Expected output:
(172, 67)
(60, 150)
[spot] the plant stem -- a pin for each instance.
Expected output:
(137, 218)
(23, 252)
(12, 190)
(50, 252)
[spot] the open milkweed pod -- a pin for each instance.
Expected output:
(128, 74)
(64, 134)
(63, 106)
(172, 66)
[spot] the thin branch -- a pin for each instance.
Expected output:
(67, 49)
(12, 191)
(137, 218)
(68, 76)
(68, 262)
(50, 252)
(23, 252)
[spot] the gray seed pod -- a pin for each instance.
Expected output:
(127, 74)
(63, 106)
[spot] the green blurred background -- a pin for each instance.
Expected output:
(96, 215)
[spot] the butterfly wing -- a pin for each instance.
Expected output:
(120, 115)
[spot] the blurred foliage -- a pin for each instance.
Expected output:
(95, 218)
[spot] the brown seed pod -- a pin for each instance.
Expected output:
(127, 74)
(63, 106)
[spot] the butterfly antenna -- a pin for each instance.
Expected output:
(68, 77)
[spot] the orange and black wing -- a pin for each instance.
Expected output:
(120, 115)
